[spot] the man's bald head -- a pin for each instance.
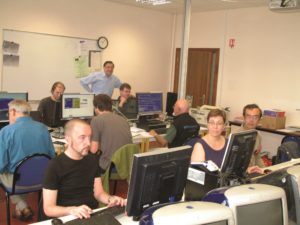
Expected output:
(181, 106)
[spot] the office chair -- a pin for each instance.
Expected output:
(120, 167)
(189, 132)
(27, 178)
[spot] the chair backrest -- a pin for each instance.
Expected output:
(189, 132)
(122, 159)
(30, 172)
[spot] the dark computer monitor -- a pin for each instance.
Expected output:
(157, 177)
(238, 154)
(77, 106)
(150, 103)
(5, 98)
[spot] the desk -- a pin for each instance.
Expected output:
(271, 138)
(138, 137)
(123, 219)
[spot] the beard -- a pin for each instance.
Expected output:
(82, 151)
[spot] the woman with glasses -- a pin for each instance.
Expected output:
(212, 145)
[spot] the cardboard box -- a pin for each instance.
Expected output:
(271, 122)
(274, 113)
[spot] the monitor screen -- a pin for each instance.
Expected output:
(258, 204)
(5, 98)
(150, 103)
(157, 177)
(188, 213)
(262, 213)
(77, 106)
(289, 180)
(238, 153)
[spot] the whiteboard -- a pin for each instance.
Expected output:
(45, 59)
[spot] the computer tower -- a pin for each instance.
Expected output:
(171, 99)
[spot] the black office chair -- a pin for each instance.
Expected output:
(189, 132)
(27, 178)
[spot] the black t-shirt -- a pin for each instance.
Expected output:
(74, 180)
(51, 112)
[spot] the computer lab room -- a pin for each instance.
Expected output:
(211, 57)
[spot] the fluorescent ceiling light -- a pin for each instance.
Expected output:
(154, 2)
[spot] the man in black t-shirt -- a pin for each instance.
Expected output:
(50, 107)
(72, 183)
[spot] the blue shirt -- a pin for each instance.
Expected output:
(99, 83)
(23, 138)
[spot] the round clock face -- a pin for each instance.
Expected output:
(102, 42)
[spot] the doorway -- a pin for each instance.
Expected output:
(202, 75)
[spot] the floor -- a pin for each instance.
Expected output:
(122, 188)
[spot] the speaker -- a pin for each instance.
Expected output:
(171, 99)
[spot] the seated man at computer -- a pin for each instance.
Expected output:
(50, 107)
(72, 183)
(252, 114)
(21, 138)
(176, 130)
(127, 104)
(110, 131)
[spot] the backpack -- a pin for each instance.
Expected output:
(286, 151)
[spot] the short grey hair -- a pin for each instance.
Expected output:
(20, 106)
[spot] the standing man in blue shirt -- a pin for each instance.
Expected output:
(101, 82)
(21, 138)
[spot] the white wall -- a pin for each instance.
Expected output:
(140, 41)
(263, 67)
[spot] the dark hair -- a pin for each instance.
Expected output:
(215, 113)
(102, 102)
(251, 106)
(125, 85)
(57, 83)
(108, 62)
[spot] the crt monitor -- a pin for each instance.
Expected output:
(289, 180)
(238, 154)
(149, 103)
(5, 98)
(77, 106)
(189, 213)
(258, 204)
(157, 177)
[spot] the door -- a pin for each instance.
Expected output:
(202, 75)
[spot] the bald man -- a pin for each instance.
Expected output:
(176, 130)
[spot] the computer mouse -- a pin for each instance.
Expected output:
(56, 221)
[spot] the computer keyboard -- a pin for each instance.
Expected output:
(102, 217)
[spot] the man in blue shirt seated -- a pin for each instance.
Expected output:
(72, 183)
(21, 138)
(102, 82)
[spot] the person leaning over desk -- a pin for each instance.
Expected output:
(72, 183)
(21, 138)
(101, 82)
(50, 107)
(110, 131)
(213, 145)
(174, 132)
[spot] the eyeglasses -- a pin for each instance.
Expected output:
(218, 124)
(253, 117)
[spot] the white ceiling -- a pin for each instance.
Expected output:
(177, 6)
